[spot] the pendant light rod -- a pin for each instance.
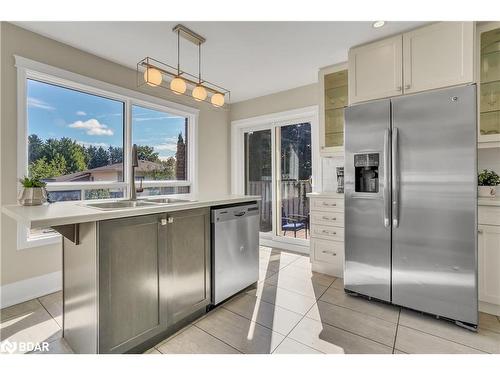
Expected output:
(199, 63)
(178, 52)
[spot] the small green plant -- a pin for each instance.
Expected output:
(488, 178)
(31, 182)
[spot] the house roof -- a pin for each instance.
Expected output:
(144, 166)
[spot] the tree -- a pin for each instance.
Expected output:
(147, 153)
(35, 148)
(115, 155)
(96, 157)
(44, 170)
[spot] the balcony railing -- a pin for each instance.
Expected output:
(293, 200)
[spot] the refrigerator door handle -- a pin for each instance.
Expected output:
(387, 192)
(395, 178)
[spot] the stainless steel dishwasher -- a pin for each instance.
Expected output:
(235, 250)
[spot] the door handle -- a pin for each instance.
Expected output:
(395, 178)
(386, 192)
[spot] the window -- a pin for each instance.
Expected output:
(74, 137)
(162, 145)
(76, 133)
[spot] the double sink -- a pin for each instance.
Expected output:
(124, 204)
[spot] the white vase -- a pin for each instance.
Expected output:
(32, 196)
(486, 191)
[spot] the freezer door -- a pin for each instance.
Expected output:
(434, 214)
(367, 267)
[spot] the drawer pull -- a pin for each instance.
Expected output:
(329, 252)
(328, 232)
(328, 204)
(329, 218)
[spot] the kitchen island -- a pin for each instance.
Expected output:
(131, 276)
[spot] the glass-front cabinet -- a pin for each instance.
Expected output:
(333, 100)
(489, 84)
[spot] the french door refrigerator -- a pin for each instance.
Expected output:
(410, 202)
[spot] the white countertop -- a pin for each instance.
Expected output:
(489, 201)
(325, 194)
(61, 213)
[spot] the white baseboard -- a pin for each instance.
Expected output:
(21, 291)
(489, 308)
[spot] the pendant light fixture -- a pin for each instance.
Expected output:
(158, 74)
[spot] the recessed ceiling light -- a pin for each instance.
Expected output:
(378, 24)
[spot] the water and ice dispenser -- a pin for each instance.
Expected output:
(366, 169)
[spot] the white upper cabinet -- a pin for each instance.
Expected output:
(376, 70)
(438, 55)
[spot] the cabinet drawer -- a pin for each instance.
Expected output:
(322, 204)
(488, 215)
(328, 218)
(329, 251)
(327, 232)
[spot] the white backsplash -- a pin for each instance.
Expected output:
(488, 158)
(329, 172)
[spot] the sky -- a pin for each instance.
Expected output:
(56, 112)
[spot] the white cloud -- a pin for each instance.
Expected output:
(81, 113)
(92, 127)
(166, 147)
(37, 103)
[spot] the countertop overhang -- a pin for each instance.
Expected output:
(63, 213)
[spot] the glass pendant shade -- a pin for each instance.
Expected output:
(178, 86)
(217, 100)
(199, 93)
(153, 77)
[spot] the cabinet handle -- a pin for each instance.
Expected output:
(328, 232)
(163, 221)
(329, 218)
(399, 88)
(327, 204)
(170, 219)
(480, 231)
(407, 87)
(329, 252)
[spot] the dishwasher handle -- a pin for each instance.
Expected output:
(234, 213)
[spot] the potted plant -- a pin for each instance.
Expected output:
(487, 181)
(33, 192)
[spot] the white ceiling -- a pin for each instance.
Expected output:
(249, 58)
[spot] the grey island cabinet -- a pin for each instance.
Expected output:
(134, 280)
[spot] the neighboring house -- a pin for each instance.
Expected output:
(111, 172)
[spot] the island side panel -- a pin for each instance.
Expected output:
(80, 291)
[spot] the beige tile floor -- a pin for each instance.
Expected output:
(292, 310)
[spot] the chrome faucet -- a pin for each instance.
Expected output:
(134, 164)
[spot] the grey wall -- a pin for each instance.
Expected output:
(213, 137)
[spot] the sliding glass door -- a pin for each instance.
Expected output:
(258, 173)
(295, 172)
(278, 167)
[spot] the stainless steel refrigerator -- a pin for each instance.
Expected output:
(410, 202)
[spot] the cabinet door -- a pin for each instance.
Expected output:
(438, 55)
(188, 262)
(129, 287)
(489, 263)
(375, 70)
(333, 99)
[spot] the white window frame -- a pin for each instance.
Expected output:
(30, 69)
(271, 122)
